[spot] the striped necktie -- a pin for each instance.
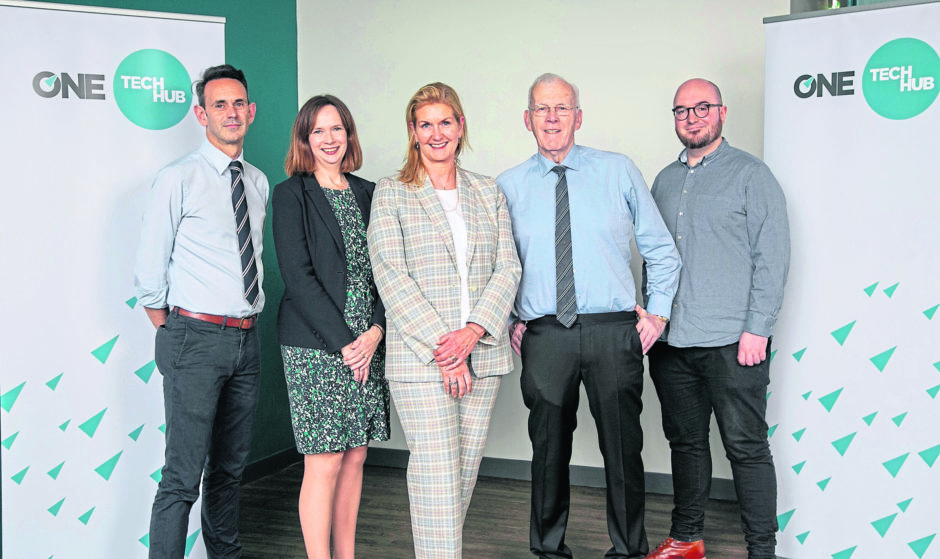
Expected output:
(566, 309)
(243, 230)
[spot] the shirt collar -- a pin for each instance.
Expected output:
(218, 160)
(572, 161)
(684, 159)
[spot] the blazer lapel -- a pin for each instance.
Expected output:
(432, 206)
(315, 192)
(362, 197)
(466, 193)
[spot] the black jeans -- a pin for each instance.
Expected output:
(210, 391)
(691, 384)
(603, 351)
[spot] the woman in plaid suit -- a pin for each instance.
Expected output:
(446, 268)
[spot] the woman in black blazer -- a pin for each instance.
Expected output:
(331, 322)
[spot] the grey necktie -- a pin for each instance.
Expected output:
(566, 310)
(243, 230)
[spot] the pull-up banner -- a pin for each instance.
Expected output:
(95, 103)
(852, 131)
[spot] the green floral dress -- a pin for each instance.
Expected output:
(330, 411)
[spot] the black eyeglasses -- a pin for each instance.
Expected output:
(700, 110)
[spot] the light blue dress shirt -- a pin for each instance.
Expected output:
(609, 205)
(188, 255)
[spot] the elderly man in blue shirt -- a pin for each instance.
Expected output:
(728, 216)
(574, 212)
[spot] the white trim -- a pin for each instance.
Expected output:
(111, 11)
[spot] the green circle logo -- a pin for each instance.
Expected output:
(901, 78)
(152, 88)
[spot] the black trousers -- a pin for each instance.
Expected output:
(603, 351)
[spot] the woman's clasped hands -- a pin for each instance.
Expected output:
(451, 356)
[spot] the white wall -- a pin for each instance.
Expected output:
(626, 57)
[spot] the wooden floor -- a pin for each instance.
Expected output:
(497, 523)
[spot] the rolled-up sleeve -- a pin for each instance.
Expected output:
(161, 219)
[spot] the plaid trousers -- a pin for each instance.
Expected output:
(446, 437)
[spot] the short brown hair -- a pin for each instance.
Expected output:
(299, 157)
(413, 171)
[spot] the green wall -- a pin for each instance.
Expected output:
(261, 39)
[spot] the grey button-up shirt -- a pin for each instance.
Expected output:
(728, 217)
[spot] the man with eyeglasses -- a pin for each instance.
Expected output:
(574, 211)
(728, 216)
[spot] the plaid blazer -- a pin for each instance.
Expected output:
(414, 264)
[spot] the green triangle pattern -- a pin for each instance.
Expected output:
(894, 465)
(8, 442)
(841, 333)
(773, 353)
(86, 517)
(135, 434)
(8, 399)
(132, 302)
(829, 400)
(145, 539)
(65, 425)
(191, 541)
(772, 430)
(162, 428)
(90, 426)
(870, 290)
(54, 472)
(881, 360)
(930, 455)
(882, 524)
(823, 483)
(899, 419)
(105, 470)
(802, 537)
(52, 384)
(868, 419)
(919, 547)
(769, 392)
(54, 509)
(904, 504)
(784, 519)
(842, 445)
(799, 434)
(933, 391)
(18, 476)
(799, 467)
(157, 475)
(799, 354)
(806, 395)
(845, 553)
(102, 352)
(889, 291)
(937, 366)
(931, 311)
(144, 373)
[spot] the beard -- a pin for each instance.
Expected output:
(704, 138)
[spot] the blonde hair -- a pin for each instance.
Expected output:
(413, 172)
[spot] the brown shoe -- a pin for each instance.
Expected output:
(674, 549)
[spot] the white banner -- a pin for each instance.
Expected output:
(95, 104)
(851, 130)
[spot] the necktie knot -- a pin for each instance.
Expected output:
(559, 170)
(235, 166)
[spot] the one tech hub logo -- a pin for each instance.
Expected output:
(900, 81)
(152, 88)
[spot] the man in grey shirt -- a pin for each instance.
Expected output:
(728, 217)
(198, 277)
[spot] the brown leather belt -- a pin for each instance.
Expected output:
(229, 322)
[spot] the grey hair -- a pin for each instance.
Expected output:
(548, 77)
